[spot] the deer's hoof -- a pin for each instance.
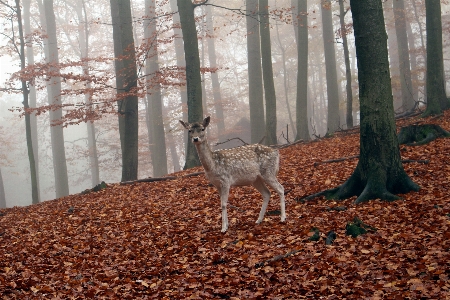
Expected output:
(283, 219)
(258, 221)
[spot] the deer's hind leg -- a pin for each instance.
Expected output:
(261, 187)
(274, 184)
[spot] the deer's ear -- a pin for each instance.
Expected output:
(185, 125)
(206, 121)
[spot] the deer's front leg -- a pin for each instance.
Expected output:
(224, 191)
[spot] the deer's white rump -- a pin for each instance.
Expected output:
(255, 165)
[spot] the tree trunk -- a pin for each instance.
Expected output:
(436, 98)
(255, 87)
(193, 78)
(181, 63)
(159, 156)
(126, 83)
(269, 85)
(286, 84)
(214, 76)
(348, 73)
(2, 192)
(31, 89)
(54, 98)
(330, 66)
(28, 127)
(379, 173)
(83, 32)
(302, 72)
(408, 102)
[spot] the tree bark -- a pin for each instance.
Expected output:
(2, 192)
(302, 72)
(348, 73)
(269, 85)
(83, 32)
(126, 83)
(255, 86)
(214, 75)
(31, 89)
(193, 78)
(408, 102)
(54, 98)
(158, 145)
(379, 173)
(330, 66)
(436, 98)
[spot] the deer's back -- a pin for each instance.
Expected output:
(242, 165)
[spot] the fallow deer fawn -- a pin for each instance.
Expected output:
(255, 165)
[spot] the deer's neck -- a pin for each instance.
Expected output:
(205, 155)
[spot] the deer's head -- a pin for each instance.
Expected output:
(196, 130)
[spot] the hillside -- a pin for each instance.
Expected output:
(162, 239)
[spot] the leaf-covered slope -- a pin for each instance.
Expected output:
(162, 239)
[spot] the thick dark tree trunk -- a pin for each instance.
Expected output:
(436, 98)
(302, 72)
(379, 173)
(193, 78)
(126, 81)
(255, 86)
(269, 85)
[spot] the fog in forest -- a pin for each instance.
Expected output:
(85, 70)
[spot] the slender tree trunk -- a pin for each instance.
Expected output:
(269, 85)
(83, 32)
(408, 102)
(159, 157)
(193, 78)
(302, 72)
(181, 63)
(330, 66)
(379, 173)
(31, 100)
(2, 192)
(214, 76)
(54, 97)
(436, 98)
(31, 89)
(348, 73)
(126, 83)
(255, 86)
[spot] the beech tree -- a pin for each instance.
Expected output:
(436, 98)
(379, 173)
(255, 86)
(2, 192)
(348, 74)
(54, 98)
(330, 66)
(302, 72)
(408, 102)
(126, 84)
(269, 86)
(154, 98)
(193, 78)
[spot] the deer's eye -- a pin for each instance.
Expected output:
(190, 130)
(203, 129)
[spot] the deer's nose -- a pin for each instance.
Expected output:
(195, 139)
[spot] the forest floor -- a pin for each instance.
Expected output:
(162, 239)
